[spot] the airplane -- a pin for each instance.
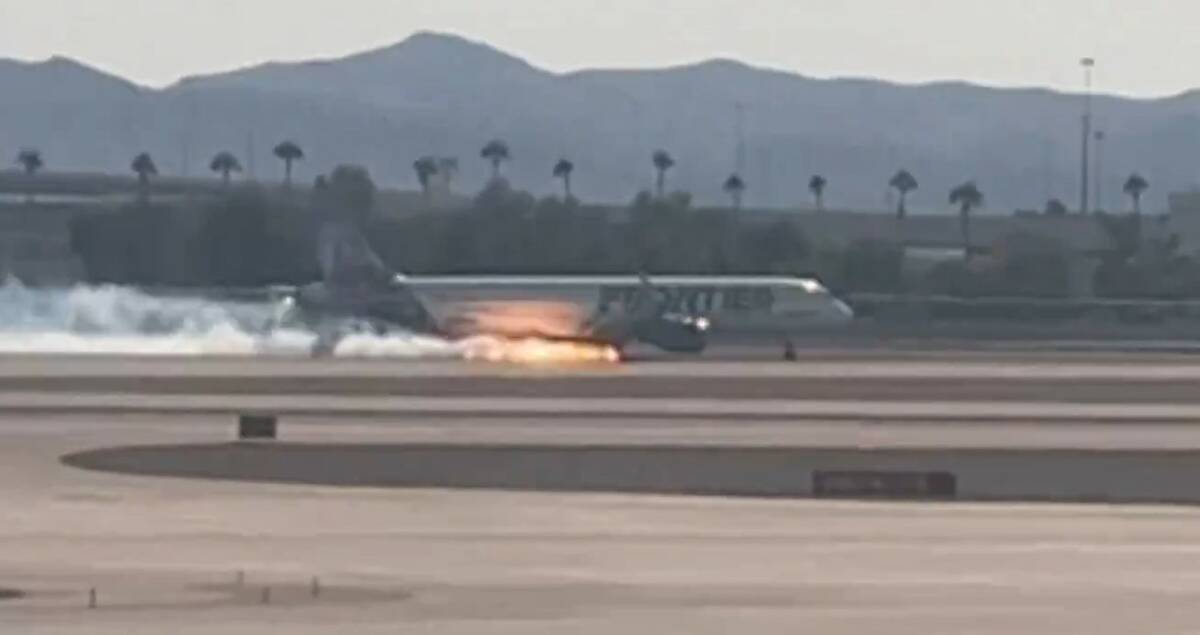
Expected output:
(677, 314)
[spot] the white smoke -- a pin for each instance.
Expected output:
(398, 346)
(111, 320)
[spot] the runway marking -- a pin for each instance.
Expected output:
(1134, 370)
(610, 408)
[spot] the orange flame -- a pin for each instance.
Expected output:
(540, 352)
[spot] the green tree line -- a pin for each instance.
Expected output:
(253, 236)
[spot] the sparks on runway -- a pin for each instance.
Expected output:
(533, 351)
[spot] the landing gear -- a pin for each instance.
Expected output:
(789, 351)
(323, 347)
(326, 343)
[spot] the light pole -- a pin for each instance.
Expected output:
(1088, 64)
(1098, 137)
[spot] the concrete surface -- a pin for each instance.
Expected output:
(164, 554)
(831, 376)
(993, 460)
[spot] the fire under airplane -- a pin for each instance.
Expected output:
(678, 314)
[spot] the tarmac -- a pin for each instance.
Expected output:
(225, 550)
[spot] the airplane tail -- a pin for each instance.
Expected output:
(346, 258)
(357, 281)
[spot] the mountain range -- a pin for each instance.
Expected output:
(442, 95)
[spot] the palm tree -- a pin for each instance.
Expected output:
(563, 170)
(447, 167)
(967, 196)
(225, 164)
(30, 161)
(425, 167)
(735, 187)
(144, 166)
(816, 185)
(903, 182)
(496, 151)
(289, 152)
(663, 162)
(1134, 187)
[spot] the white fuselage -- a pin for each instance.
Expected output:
(568, 306)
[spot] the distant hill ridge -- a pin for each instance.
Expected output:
(446, 96)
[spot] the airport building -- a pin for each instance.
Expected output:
(1184, 219)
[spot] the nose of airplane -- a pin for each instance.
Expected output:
(841, 311)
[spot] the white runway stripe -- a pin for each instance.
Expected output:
(622, 407)
(999, 370)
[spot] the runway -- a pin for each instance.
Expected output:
(834, 375)
(197, 555)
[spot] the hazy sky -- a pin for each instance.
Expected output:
(1144, 47)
